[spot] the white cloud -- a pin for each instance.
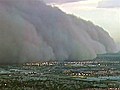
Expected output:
(61, 1)
(109, 4)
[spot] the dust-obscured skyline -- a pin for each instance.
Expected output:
(31, 31)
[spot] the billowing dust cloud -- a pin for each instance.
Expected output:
(33, 31)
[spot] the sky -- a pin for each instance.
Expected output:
(105, 13)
